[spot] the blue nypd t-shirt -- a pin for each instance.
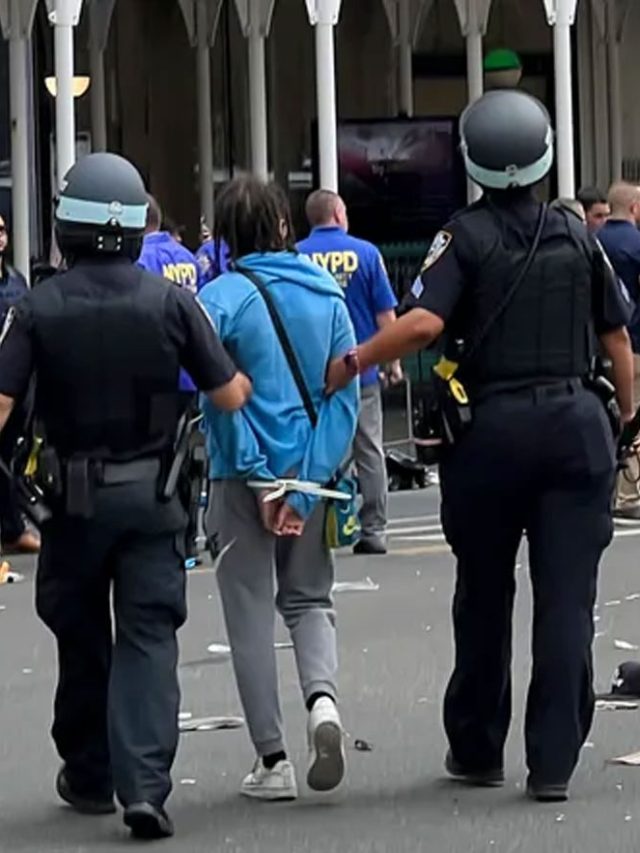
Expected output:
(163, 255)
(359, 269)
(213, 259)
(621, 241)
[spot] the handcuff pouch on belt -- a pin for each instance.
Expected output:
(454, 409)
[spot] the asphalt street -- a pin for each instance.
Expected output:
(396, 652)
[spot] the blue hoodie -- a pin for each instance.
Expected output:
(272, 436)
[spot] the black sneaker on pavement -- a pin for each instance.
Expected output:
(547, 793)
(87, 804)
(369, 546)
(147, 822)
(492, 778)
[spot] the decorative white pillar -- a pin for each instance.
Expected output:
(405, 57)
(616, 13)
(64, 16)
(16, 17)
(201, 18)
(100, 12)
(474, 17)
(324, 15)
(561, 16)
(255, 19)
(405, 19)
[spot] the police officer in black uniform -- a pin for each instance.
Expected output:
(106, 341)
(538, 456)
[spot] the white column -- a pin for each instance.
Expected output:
(327, 110)
(561, 15)
(405, 57)
(64, 16)
(205, 117)
(98, 100)
(475, 70)
(564, 110)
(258, 104)
(323, 15)
(615, 97)
(100, 14)
(19, 149)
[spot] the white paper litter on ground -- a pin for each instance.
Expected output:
(187, 781)
(616, 705)
(613, 603)
(219, 650)
(624, 646)
(632, 597)
(366, 585)
(631, 760)
(285, 645)
(184, 715)
(210, 724)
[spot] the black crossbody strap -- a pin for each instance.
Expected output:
(513, 289)
(285, 342)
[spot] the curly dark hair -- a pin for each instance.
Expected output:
(252, 216)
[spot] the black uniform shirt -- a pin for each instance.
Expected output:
(199, 349)
(457, 252)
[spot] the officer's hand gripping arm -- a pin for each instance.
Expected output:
(412, 332)
(233, 395)
(617, 347)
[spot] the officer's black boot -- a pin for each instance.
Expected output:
(147, 822)
(84, 802)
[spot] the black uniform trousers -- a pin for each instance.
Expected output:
(12, 524)
(117, 701)
(539, 461)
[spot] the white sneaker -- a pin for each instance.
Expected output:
(279, 783)
(326, 746)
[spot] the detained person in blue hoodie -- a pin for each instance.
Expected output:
(273, 438)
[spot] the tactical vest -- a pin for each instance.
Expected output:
(545, 334)
(107, 370)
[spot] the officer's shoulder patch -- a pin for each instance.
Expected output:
(439, 246)
(8, 323)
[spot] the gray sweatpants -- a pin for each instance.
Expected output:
(370, 464)
(302, 568)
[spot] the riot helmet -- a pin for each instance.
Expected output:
(102, 208)
(506, 140)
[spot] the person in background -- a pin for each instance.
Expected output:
(213, 258)
(175, 230)
(596, 207)
(620, 239)
(274, 438)
(359, 269)
(163, 255)
(16, 536)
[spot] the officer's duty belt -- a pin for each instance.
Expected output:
(116, 474)
(535, 392)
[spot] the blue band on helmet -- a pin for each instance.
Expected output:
(512, 176)
(83, 212)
